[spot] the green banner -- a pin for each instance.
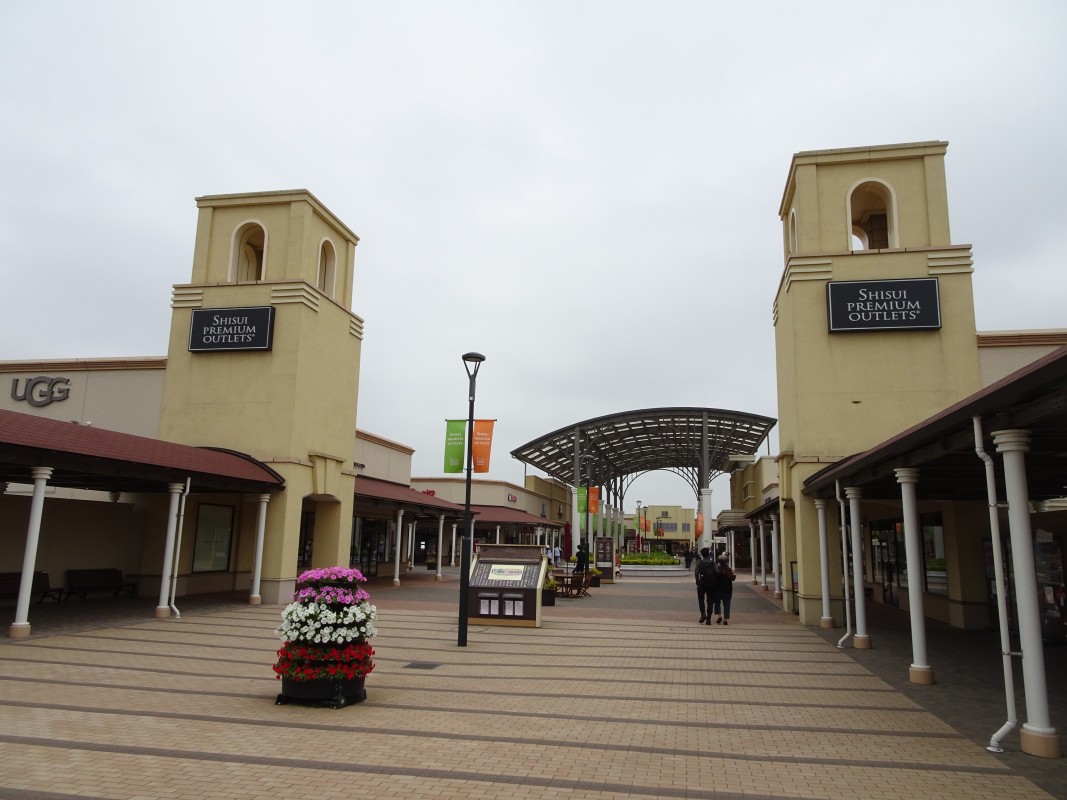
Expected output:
(455, 434)
(581, 499)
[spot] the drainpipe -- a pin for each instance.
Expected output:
(1002, 611)
(844, 562)
(178, 547)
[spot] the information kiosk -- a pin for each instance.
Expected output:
(505, 585)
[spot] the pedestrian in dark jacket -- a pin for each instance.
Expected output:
(706, 577)
(581, 559)
(689, 558)
(724, 591)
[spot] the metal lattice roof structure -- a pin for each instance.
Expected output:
(695, 443)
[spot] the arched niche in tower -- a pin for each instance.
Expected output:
(872, 215)
(249, 253)
(327, 271)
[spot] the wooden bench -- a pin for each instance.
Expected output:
(10, 582)
(82, 581)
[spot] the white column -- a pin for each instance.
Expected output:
(862, 640)
(452, 562)
(826, 620)
(920, 670)
(257, 567)
(752, 548)
(776, 556)
(498, 534)
(411, 546)
(762, 557)
(440, 544)
(399, 528)
(20, 628)
(705, 510)
(599, 525)
(163, 609)
(576, 531)
(1037, 736)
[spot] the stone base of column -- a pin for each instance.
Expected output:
(162, 612)
(924, 676)
(19, 630)
(826, 622)
(765, 588)
(396, 581)
(255, 600)
(861, 642)
(1042, 745)
(777, 595)
(754, 581)
(438, 577)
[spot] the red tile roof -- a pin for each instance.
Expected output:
(87, 457)
(376, 489)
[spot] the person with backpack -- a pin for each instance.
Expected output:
(706, 575)
(724, 591)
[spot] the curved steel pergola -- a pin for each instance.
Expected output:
(695, 443)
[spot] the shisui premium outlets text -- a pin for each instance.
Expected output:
(883, 305)
(232, 329)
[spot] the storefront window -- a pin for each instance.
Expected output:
(214, 535)
(934, 553)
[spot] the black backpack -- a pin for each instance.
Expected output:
(706, 572)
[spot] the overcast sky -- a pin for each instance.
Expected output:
(585, 192)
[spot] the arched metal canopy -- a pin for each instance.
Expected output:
(695, 443)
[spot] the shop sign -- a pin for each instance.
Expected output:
(40, 391)
(512, 498)
(215, 329)
(883, 305)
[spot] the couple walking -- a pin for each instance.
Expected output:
(715, 587)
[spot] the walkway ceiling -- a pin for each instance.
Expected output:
(695, 443)
(942, 447)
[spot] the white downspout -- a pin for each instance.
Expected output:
(844, 562)
(440, 544)
(178, 547)
(1002, 610)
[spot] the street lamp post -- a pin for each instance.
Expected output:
(637, 529)
(471, 362)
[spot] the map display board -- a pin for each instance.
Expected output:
(505, 585)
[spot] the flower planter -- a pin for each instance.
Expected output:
(548, 597)
(323, 691)
(594, 582)
(325, 656)
(431, 566)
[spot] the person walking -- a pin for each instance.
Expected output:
(688, 558)
(555, 555)
(706, 575)
(581, 559)
(724, 591)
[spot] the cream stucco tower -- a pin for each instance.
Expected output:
(288, 395)
(874, 320)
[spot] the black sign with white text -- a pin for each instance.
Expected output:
(883, 305)
(232, 329)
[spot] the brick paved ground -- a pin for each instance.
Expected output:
(618, 695)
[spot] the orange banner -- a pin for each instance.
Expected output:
(594, 499)
(700, 523)
(482, 443)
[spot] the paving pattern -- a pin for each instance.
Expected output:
(622, 695)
